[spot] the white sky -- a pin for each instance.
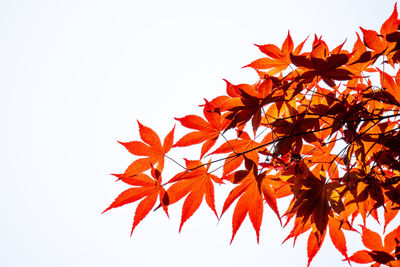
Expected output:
(75, 76)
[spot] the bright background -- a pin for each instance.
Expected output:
(75, 76)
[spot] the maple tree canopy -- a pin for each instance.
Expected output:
(320, 127)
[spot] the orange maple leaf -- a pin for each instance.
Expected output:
(207, 131)
(146, 187)
(151, 148)
(380, 43)
(278, 59)
(253, 188)
(240, 149)
(196, 183)
(387, 253)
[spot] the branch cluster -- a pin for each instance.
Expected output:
(320, 127)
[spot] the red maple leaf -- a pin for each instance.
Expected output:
(328, 68)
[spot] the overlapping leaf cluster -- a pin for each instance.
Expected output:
(320, 127)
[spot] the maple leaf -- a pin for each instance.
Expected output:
(364, 194)
(253, 188)
(386, 253)
(246, 103)
(373, 41)
(316, 237)
(328, 69)
(196, 183)
(293, 130)
(318, 154)
(241, 149)
(146, 187)
(151, 148)
(278, 59)
(360, 61)
(391, 24)
(380, 43)
(313, 197)
(206, 131)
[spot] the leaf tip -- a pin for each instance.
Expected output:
(233, 236)
(362, 29)
(119, 176)
(132, 230)
(106, 210)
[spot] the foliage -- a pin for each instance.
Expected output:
(320, 127)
